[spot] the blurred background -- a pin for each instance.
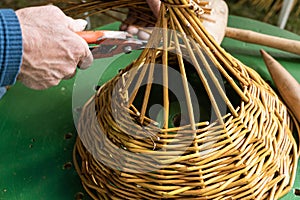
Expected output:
(267, 10)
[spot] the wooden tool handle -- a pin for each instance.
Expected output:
(288, 45)
(286, 84)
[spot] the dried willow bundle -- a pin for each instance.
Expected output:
(117, 10)
(264, 5)
(271, 7)
(231, 138)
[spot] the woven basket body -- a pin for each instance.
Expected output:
(239, 145)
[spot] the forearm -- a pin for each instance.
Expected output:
(10, 47)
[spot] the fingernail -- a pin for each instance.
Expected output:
(132, 30)
(143, 35)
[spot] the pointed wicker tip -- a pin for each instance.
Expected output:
(286, 84)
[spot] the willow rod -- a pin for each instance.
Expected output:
(184, 78)
(165, 67)
(148, 88)
(139, 81)
(110, 4)
(198, 33)
(215, 80)
(284, 44)
(134, 70)
(197, 67)
(185, 85)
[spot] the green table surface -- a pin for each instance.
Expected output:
(37, 127)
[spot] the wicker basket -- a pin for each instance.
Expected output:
(197, 151)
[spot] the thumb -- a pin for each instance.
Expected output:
(86, 61)
(155, 6)
(87, 58)
(77, 24)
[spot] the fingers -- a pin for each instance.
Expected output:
(127, 25)
(133, 26)
(145, 35)
(133, 30)
(85, 56)
(70, 75)
(155, 6)
(86, 61)
(77, 25)
(52, 48)
(34, 82)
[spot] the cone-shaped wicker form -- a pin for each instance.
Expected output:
(186, 120)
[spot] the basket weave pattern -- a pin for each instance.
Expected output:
(248, 153)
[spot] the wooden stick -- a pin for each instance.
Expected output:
(284, 44)
(286, 84)
(165, 67)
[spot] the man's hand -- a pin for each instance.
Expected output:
(51, 48)
(216, 26)
(154, 6)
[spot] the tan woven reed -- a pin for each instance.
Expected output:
(80, 8)
(117, 10)
(247, 153)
